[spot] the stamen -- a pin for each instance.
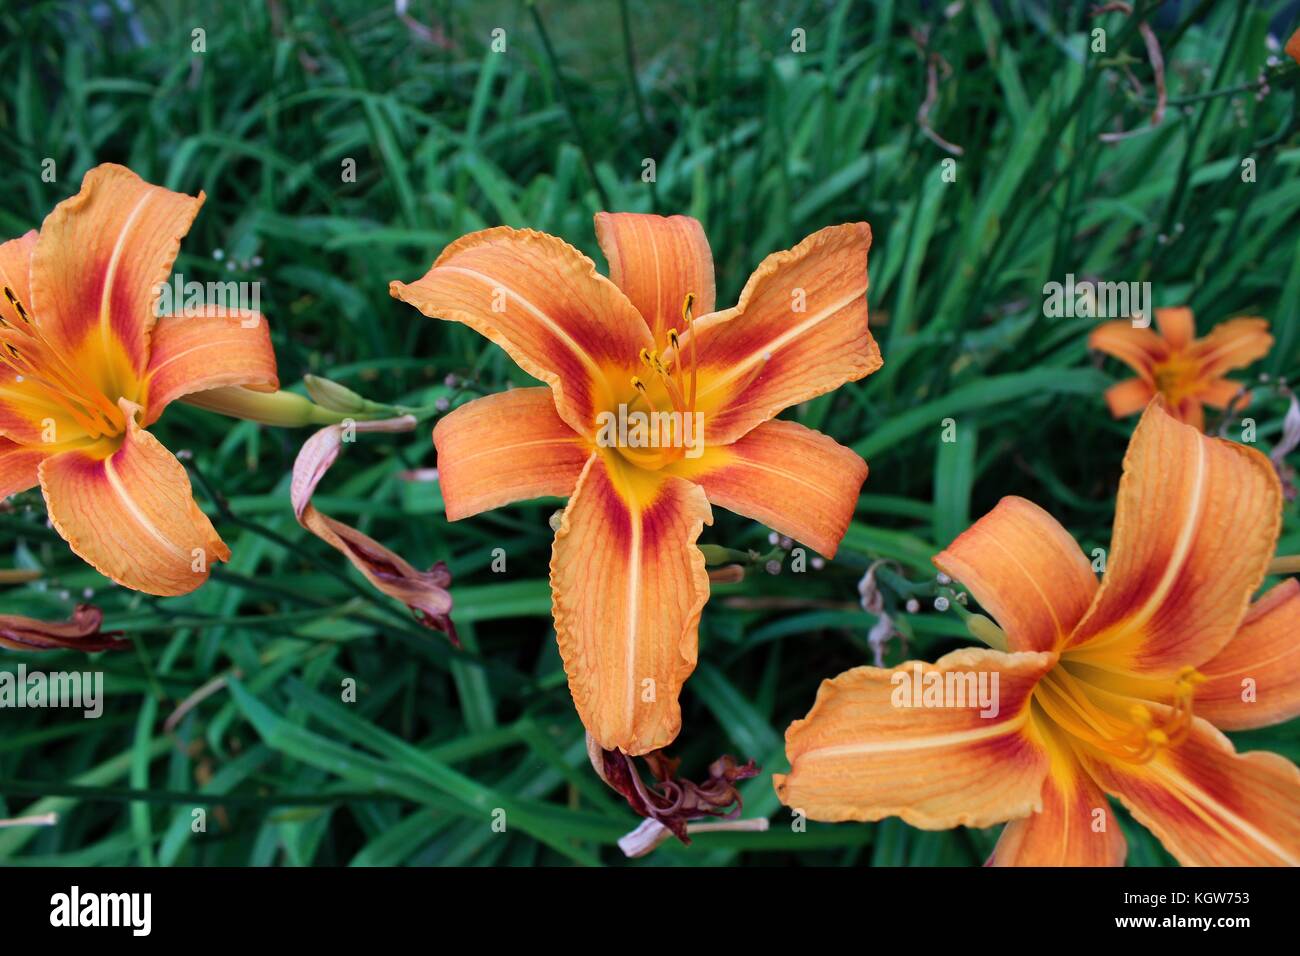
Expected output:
(688, 320)
(674, 393)
(675, 340)
(640, 387)
(650, 358)
(18, 306)
(68, 378)
(42, 365)
(1066, 701)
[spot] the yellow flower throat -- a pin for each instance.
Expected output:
(1176, 378)
(1134, 735)
(34, 360)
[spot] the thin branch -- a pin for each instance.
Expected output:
(1157, 67)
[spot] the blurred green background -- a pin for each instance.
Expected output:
(764, 145)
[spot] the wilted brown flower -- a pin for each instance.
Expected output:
(79, 633)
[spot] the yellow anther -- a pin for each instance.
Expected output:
(1140, 715)
(1157, 738)
(638, 384)
(687, 308)
(647, 358)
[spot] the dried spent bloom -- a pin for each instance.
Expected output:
(424, 592)
(671, 801)
(81, 632)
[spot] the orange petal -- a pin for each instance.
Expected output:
(15, 275)
(194, 353)
(504, 448)
(628, 585)
(1196, 521)
(1209, 805)
(130, 514)
(1232, 344)
(799, 330)
(98, 262)
(1026, 571)
(1220, 392)
(656, 261)
(27, 413)
(1075, 827)
(1178, 326)
(859, 755)
(1129, 396)
(1293, 46)
(1137, 348)
(544, 303)
(1255, 680)
(795, 480)
(18, 465)
(1189, 411)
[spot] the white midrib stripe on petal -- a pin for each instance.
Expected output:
(1182, 788)
(110, 275)
(115, 482)
(545, 319)
(997, 729)
(780, 342)
(1182, 549)
(633, 599)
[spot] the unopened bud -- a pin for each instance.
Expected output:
(716, 554)
(338, 398)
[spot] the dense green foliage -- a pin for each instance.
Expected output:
(764, 145)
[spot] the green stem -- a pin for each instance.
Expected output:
(1285, 564)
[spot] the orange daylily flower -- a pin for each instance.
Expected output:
(628, 583)
(1186, 371)
(1116, 688)
(86, 366)
(1293, 46)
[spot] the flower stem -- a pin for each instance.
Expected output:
(1285, 564)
